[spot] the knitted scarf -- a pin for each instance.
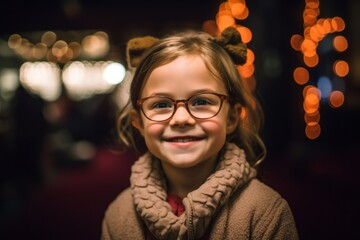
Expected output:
(148, 186)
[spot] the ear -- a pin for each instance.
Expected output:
(136, 121)
(233, 118)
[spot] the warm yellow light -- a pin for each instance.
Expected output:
(14, 41)
(59, 48)
(48, 38)
(39, 51)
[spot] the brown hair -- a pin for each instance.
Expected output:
(221, 65)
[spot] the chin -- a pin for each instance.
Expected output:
(185, 162)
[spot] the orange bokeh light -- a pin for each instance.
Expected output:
(244, 14)
(312, 117)
(311, 61)
(311, 103)
(312, 3)
(338, 24)
(341, 68)
(336, 99)
(315, 30)
(246, 70)
(309, 20)
(250, 56)
(237, 9)
(296, 41)
(224, 20)
(210, 27)
(246, 34)
(310, 89)
(340, 43)
(312, 130)
(301, 75)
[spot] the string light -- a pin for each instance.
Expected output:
(52, 49)
(51, 63)
(229, 14)
(315, 30)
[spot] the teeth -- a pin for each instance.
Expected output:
(183, 139)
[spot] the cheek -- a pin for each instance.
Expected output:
(216, 128)
(152, 130)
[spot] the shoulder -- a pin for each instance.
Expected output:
(255, 198)
(121, 220)
(123, 198)
(262, 211)
(259, 200)
(122, 205)
(258, 192)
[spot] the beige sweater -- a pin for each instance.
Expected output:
(254, 211)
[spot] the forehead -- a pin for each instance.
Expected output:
(181, 77)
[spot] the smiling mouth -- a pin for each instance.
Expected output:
(184, 139)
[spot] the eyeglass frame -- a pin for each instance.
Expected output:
(222, 97)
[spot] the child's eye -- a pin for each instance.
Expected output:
(200, 102)
(162, 104)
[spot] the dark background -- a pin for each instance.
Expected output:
(51, 195)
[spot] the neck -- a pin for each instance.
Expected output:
(181, 181)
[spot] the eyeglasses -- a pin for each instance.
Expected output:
(200, 106)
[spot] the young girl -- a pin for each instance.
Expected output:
(200, 126)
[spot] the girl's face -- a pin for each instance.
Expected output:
(184, 141)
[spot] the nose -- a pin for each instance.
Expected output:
(181, 116)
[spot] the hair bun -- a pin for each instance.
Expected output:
(231, 41)
(136, 47)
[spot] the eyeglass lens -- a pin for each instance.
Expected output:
(201, 106)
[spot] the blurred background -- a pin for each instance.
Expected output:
(64, 77)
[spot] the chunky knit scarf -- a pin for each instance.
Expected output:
(148, 186)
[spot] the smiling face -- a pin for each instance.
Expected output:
(183, 141)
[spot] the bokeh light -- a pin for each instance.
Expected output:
(312, 130)
(301, 75)
(336, 99)
(341, 68)
(41, 78)
(316, 30)
(340, 43)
